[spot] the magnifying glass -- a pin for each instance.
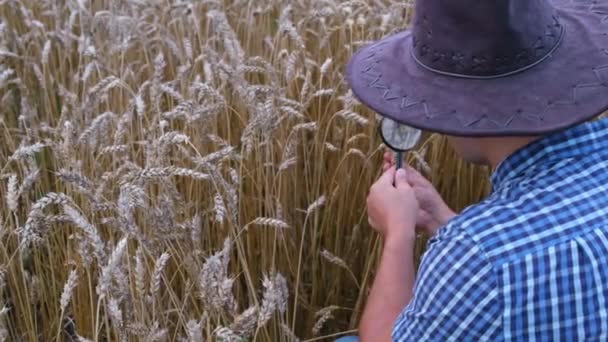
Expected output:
(399, 138)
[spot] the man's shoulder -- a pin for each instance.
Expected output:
(483, 218)
(513, 223)
(496, 226)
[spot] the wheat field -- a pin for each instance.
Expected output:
(192, 170)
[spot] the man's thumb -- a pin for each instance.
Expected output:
(401, 179)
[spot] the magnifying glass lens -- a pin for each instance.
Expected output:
(399, 138)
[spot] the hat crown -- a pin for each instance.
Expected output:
(484, 38)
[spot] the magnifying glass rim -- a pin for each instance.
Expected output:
(390, 145)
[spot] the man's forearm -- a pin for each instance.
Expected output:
(391, 291)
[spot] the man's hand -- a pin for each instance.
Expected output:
(391, 209)
(433, 212)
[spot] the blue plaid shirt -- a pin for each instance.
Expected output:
(531, 261)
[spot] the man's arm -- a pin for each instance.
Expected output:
(391, 210)
(391, 291)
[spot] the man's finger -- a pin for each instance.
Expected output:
(388, 157)
(388, 176)
(415, 177)
(401, 179)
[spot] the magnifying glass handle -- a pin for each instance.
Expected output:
(399, 160)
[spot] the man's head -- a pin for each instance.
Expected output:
(488, 151)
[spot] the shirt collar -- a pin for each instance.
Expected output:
(579, 140)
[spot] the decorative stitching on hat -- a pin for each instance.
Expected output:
(475, 65)
(604, 19)
(408, 102)
(572, 100)
(597, 71)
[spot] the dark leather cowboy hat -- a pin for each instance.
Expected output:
(490, 68)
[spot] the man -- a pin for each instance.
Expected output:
(514, 84)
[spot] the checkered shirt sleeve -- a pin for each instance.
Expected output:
(455, 296)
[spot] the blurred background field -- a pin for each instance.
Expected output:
(192, 170)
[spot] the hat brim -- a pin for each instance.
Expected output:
(569, 87)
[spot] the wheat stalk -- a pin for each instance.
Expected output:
(245, 323)
(68, 289)
(195, 331)
(107, 272)
(323, 315)
(327, 255)
(270, 222)
(12, 194)
(26, 151)
(160, 264)
(314, 206)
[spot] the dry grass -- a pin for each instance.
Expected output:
(190, 170)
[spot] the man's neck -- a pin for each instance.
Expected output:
(499, 149)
